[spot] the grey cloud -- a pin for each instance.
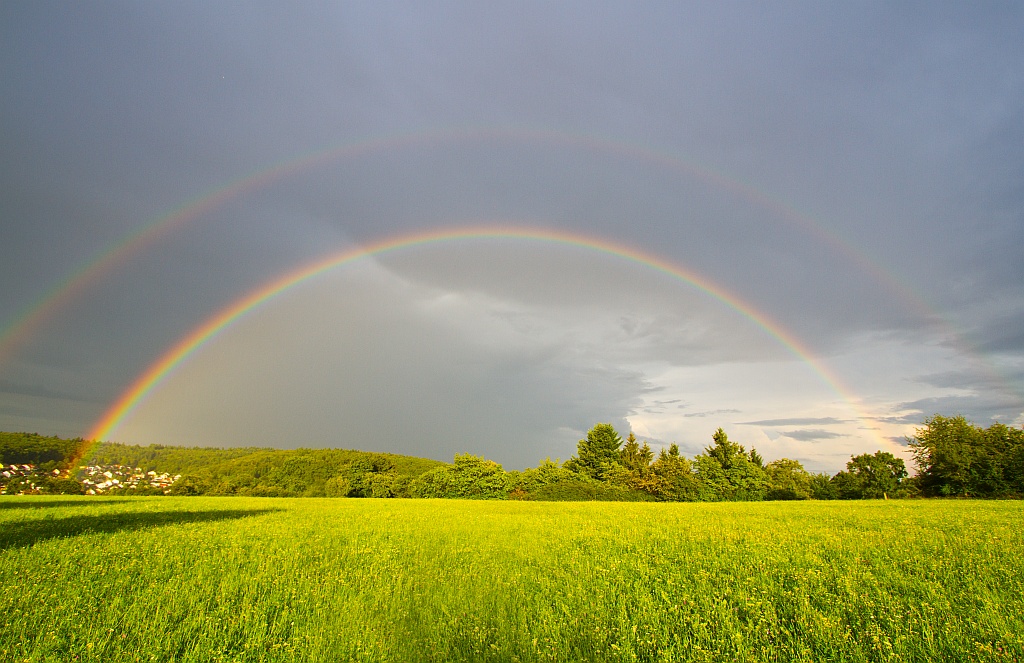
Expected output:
(811, 434)
(710, 413)
(11, 387)
(390, 366)
(1009, 338)
(835, 174)
(915, 417)
(984, 376)
(795, 421)
(660, 406)
(981, 411)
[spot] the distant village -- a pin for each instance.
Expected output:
(28, 479)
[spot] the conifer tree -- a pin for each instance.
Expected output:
(596, 454)
(634, 457)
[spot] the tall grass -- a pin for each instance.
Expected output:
(249, 579)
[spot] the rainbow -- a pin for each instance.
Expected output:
(31, 318)
(188, 345)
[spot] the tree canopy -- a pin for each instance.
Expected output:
(956, 458)
(953, 458)
(597, 453)
(870, 476)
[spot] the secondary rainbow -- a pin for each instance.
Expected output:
(33, 316)
(158, 371)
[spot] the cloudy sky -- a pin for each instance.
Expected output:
(811, 218)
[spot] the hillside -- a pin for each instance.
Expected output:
(48, 452)
(217, 462)
(215, 471)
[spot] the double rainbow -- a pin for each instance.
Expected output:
(174, 357)
(22, 326)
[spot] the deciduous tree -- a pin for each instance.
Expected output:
(955, 457)
(871, 476)
(788, 480)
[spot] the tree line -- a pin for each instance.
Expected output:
(607, 467)
(953, 458)
(957, 458)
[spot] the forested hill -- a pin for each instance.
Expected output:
(236, 471)
(45, 451)
(213, 461)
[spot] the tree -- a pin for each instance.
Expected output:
(380, 485)
(549, 472)
(595, 454)
(671, 477)
(870, 476)
(725, 451)
(726, 472)
(823, 488)
(189, 485)
(634, 457)
(947, 454)
(338, 486)
(468, 476)
(955, 457)
(788, 480)
(362, 475)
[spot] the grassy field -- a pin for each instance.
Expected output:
(249, 579)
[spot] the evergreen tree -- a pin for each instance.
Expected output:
(596, 454)
(726, 472)
(672, 477)
(725, 451)
(634, 457)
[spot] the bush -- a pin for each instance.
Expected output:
(469, 476)
(189, 485)
(379, 485)
(586, 491)
(337, 486)
(64, 486)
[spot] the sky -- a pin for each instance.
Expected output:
(801, 222)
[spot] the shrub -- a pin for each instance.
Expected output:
(586, 491)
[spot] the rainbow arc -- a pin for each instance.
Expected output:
(151, 378)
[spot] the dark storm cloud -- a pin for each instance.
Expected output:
(994, 393)
(849, 173)
(228, 97)
(11, 387)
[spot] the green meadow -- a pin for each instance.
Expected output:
(264, 579)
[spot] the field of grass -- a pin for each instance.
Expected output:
(251, 579)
